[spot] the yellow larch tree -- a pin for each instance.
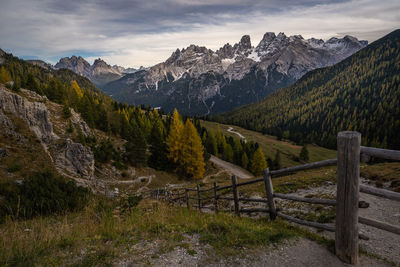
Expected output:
(258, 162)
(192, 152)
(77, 89)
(174, 139)
(4, 75)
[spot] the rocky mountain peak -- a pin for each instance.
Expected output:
(265, 41)
(99, 73)
(100, 62)
(226, 51)
(77, 64)
(244, 44)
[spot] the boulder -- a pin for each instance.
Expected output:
(75, 158)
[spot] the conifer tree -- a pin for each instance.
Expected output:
(75, 87)
(4, 75)
(228, 153)
(276, 164)
(192, 162)
(258, 162)
(158, 147)
(136, 148)
(174, 139)
(304, 154)
(245, 160)
(211, 144)
(237, 152)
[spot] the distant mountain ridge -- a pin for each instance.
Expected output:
(361, 93)
(200, 81)
(99, 73)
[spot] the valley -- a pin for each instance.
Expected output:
(229, 156)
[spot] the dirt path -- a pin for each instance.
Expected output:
(301, 252)
(380, 243)
(234, 169)
(230, 129)
(205, 179)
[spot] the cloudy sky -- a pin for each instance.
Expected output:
(136, 32)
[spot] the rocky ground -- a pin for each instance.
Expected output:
(294, 252)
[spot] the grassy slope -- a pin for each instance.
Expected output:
(104, 233)
(270, 145)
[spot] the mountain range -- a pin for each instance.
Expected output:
(99, 73)
(199, 81)
(361, 93)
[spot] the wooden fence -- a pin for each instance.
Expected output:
(347, 198)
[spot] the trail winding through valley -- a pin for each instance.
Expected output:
(230, 129)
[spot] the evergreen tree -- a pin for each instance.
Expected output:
(135, 148)
(158, 148)
(276, 164)
(228, 153)
(211, 144)
(245, 160)
(192, 162)
(304, 154)
(220, 138)
(237, 152)
(258, 162)
(4, 75)
(174, 139)
(66, 111)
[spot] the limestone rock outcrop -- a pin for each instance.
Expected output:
(74, 158)
(69, 157)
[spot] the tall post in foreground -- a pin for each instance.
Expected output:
(198, 198)
(235, 195)
(215, 198)
(348, 177)
(270, 193)
(187, 198)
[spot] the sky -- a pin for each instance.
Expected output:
(133, 33)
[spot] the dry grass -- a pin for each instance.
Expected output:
(103, 232)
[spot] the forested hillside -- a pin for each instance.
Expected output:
(361, 93)
(144, 131)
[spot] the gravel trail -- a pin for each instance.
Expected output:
(234, 169)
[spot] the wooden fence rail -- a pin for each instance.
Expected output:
(347, 197)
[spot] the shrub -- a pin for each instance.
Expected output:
(41, 194)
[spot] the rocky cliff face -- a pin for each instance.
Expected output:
(200, 81)
(71, 159)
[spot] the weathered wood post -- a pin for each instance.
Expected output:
(235, 195)
(348, 177)
(270, 193)
(198, 198)
(187, 198)
(215, 198)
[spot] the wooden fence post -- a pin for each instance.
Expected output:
(215, 198)
(270, 193)
(235, 195)
(187, 198)
(348, 176)
(198, 198)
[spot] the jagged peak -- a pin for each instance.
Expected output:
(99, 61)
(244, 43)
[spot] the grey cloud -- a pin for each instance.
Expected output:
(146, 32)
